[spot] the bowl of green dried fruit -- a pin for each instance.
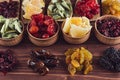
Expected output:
(60, 9)
(11, 31)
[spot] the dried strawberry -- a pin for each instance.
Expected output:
(33, 29)
(49, 22)
(50, 30)
(84, 7)
(45, 36)
(33, 23)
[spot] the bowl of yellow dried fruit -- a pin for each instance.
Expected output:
(76, 30)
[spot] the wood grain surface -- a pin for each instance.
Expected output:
(22, 51)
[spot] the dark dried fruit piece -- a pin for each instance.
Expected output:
(7, 61)
(111, 59)
(41, 61)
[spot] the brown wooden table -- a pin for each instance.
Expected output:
(22, 51)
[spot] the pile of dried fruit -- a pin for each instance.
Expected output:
(7, 61)
(42, 26)
(9, 9)
(111, 7)
(60, 9)
(41, 61)
(87, 8)
(109, 27)
(10, 28)
(77, 27)
(79, 60)
(31, 7)
(111, 59)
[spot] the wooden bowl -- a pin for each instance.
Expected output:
(43, 42)
(61, 20)
(12, 41)
(72, 40)
(104, 39)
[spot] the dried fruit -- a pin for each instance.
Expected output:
(42, 26)
(111, 59)
(71, 69)
(9, 9)
(75, 63)
(77, 27)
(41, 61)
(60, 9)
(7, 61)
(87, 8)
(31, 7)
(113, 9)
(109, 27)
(78, 59)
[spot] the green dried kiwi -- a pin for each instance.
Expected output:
(80, 68)
(82, 57)
(71, 69)
(9, 35)
(68, 59)
(59, 7)
(65, 4)
(69, 52)
(88, 69)
(75, 63)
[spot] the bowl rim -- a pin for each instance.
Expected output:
(60, 20)
(4, 39)
(69, 35)
(104, 17)
(58, 29)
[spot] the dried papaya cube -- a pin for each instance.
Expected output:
(75, 63)
(71, 69)
(68, 59)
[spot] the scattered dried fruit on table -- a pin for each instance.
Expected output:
(88, 8)
(9, 9)
(77, 27)
(41, 61)
(7, 61)
(10, 27)
(31, 7)
(79, 59)
(111, 7)
(111, 59)
(109, 27)
(42, 26)
(60, 9)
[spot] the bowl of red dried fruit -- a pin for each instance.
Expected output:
(43, 30)
(107, 29)
(87, 8)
